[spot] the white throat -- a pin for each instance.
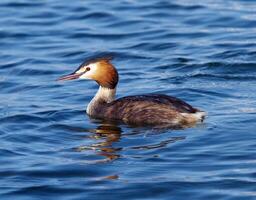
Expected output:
(104, 94)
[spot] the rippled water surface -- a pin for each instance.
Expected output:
(202, 51)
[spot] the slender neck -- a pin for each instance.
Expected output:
(104, 95)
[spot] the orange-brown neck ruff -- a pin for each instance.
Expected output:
(107, 75)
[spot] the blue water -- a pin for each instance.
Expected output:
(203, 52)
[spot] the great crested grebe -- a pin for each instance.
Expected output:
(149, 109)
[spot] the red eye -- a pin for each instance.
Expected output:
(88, 68)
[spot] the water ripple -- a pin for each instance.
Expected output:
(202, 52)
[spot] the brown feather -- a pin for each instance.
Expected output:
(107, 75)
(148, 109)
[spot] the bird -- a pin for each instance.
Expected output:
(139, 110)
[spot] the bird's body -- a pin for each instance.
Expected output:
(149, 109)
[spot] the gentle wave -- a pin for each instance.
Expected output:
(202, 52)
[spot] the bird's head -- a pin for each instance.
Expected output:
(100, 69)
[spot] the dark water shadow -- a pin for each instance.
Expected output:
(107, 136)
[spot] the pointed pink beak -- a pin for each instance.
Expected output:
(69, 77)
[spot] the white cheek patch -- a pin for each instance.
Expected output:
(89, 74)
(80, 71)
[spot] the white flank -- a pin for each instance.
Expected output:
(198, 116)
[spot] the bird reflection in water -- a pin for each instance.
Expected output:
(107, 134)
